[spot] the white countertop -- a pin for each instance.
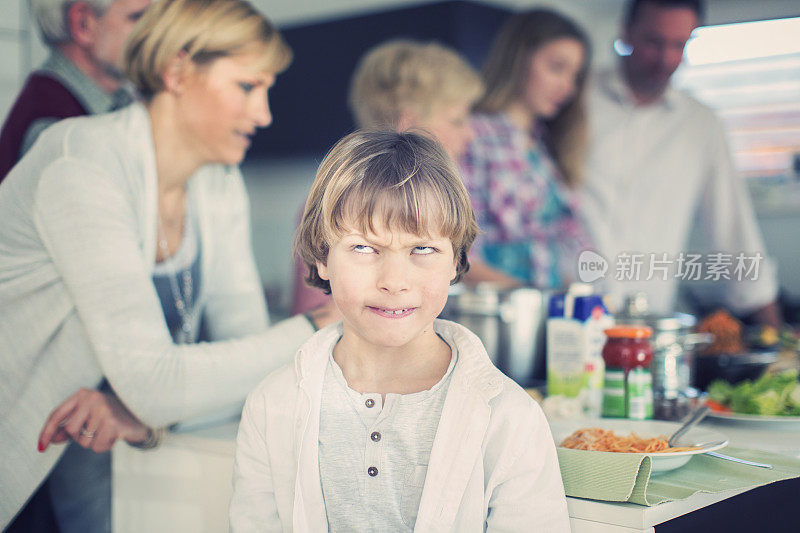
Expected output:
(185, 484)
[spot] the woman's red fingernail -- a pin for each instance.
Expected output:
(41, 446)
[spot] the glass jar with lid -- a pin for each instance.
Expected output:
(628, 384)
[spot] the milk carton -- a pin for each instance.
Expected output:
(575, 339)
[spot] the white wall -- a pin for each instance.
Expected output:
(292, 12)
(20, 50)
(277, 189)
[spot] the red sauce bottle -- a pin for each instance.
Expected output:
(628, 385)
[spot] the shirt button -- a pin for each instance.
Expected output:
(370, 402)
(375, 436)
(372, 471)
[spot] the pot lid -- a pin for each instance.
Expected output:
(635, 312)
(676, 322)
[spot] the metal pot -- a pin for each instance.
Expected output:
(509, 322)
(674, 347)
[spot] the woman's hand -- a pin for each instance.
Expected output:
(93, 419)
(480, 271)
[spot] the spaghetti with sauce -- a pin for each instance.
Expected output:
(603, 440)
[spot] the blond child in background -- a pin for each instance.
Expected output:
(392, 420)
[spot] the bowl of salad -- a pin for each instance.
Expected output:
(773, 397)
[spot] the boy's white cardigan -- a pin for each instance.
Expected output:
(493, 465)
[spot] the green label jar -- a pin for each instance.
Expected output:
(640, 394)
(628, 387)
(614, 393)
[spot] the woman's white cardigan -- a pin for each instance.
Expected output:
(77, 302)
(493, 464)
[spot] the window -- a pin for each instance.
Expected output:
(749, 73)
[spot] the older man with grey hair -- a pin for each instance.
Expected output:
(82, 75)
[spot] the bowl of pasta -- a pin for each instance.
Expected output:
(643, 437)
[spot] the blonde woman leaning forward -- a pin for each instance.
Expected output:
(401, 85)
(527, 153)
(121, 232)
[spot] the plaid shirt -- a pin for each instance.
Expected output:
(527, 214)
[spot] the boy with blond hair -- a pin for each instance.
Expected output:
(392, 420)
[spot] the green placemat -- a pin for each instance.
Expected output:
(626, 477)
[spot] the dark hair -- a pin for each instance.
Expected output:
(507, 67)
(634, 6)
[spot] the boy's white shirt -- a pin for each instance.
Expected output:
(493, 450)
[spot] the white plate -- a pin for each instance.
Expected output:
(662, 462)
(756, 421)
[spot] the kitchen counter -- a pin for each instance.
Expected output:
(185, 484)
(182, 485)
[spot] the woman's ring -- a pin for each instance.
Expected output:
(87, 434)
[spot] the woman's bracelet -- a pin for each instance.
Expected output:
(153, 439)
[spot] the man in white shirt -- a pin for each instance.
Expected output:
(659, 164)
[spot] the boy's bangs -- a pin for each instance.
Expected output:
(409, 206)
(385, 181)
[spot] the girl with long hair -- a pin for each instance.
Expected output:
(527, 153)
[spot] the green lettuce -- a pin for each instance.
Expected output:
(792, 399)
(720, 391)
(770, 395)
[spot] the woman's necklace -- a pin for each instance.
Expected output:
(184, 302)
